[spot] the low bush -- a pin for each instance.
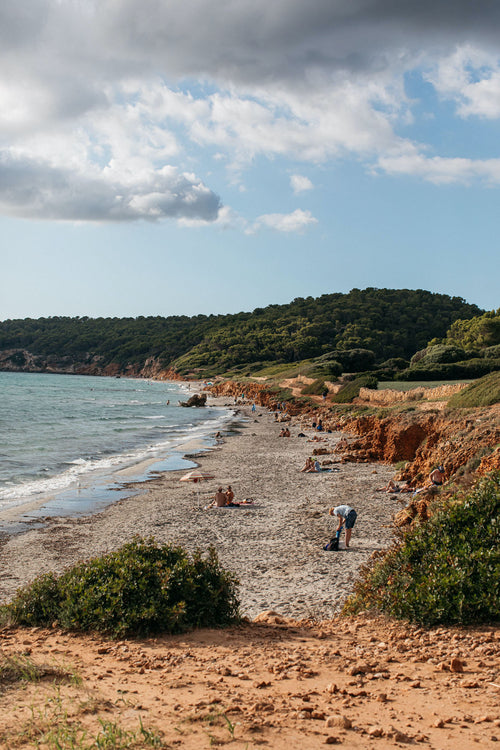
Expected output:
(484, 392)
(440, 354)
(140, 589)
(443, 571)
(491, 352)
(351, 389)
(471, 368)
(315, 389)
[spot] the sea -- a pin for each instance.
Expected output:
(71, 444)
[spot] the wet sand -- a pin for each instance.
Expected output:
(275, 546)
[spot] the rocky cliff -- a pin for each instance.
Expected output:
(466, 442)
(22, 360)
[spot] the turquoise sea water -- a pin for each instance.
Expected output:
(64, 437)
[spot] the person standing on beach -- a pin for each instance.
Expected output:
(347, 516)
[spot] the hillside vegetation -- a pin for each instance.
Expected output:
(484, 392)
(340, 332)
(470, 349)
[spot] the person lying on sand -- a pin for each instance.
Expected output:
(316, 439)
(393, 487)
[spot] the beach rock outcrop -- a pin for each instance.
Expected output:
(198, 399)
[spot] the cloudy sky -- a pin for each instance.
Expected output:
(185, 156)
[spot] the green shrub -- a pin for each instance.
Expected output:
(491, 352)
(141, 588)
(444, 571)
(355, 360)
(440, 354)
(351, 389)
(484, 392)
(315, 389)
(471, 368)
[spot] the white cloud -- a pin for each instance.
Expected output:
(300, 184)
(296, 221)
(441, 171)
(471, 78)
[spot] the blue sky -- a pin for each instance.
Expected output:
(190, 157)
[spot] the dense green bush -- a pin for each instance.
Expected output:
(472, 368)
(355, 360)
(141, 588)
(484, 392)
(351, 389)
(444, 571)
(491, 352)
(315, 389)
(440, 354)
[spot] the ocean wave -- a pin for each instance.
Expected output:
(84, 470)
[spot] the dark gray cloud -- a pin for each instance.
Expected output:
(33, 189)
(259, 41)
(250, 41)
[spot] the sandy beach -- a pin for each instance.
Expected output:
(302, 678)
(275, 546)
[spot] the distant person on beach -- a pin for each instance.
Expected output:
(436, 479)
(229, 495)
(309, 465)
(319, 426)
(219, 500)
(437, 476)
(392, 487)
(346, 515)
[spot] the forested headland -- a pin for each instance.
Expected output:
(364, 330)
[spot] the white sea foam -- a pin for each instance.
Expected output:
(88, 470)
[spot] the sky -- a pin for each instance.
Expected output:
(185, 157)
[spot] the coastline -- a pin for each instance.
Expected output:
(90, 484)
(275, 546)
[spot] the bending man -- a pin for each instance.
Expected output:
(347, 516)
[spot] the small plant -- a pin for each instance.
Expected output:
(141, 588)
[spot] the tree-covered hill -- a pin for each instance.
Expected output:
(385, 323)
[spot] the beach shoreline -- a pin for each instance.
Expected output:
(274, 547)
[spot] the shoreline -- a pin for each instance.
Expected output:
(93, 491)
(275, 546)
